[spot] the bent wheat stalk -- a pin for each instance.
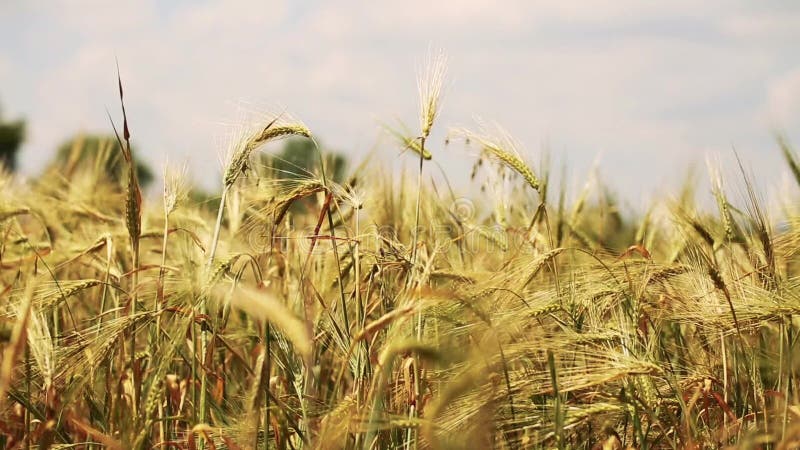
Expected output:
(237, 159)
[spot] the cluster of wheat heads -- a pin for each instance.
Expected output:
(298, 312)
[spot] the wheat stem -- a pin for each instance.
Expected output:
(204, 308)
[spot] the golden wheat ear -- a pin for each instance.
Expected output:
(281, 126)
(430, 81)
(176, 186)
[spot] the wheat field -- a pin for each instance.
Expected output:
(384, 311)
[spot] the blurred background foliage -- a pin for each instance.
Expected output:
(12, 134)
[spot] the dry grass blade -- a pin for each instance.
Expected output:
(14, 212)
(95, 434)
(636, 248)
(16, 341)
(264, 306)
(383, 321)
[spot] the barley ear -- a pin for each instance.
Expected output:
(275, 129)
(429, 83)
(503, 149)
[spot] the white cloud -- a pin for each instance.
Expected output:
(646, 84)
(764, 25)
(783, 100)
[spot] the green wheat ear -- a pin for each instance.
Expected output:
(503, 149)
(408, 142)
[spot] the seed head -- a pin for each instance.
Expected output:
(174, 187)
(429, 83)
(280, 126)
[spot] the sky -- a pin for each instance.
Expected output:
(642, 89)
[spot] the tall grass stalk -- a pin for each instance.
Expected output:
(429, 83)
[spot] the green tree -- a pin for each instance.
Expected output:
(100, 152)
(11, 136)
(299, 157)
